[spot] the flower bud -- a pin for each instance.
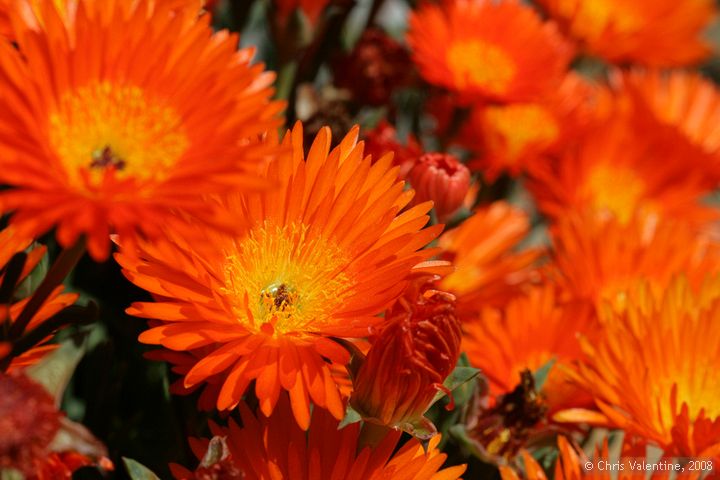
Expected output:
(440, 177)
(408, 363)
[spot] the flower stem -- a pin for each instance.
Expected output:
(65, 262)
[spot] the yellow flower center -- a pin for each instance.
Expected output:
(478, 64)
(615, 190)
(282, 279)
(105, 125)
(520, 126)
(593, 17)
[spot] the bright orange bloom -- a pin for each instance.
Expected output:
(138, 113)
(599, 261)
(488, 271)
(684, 100)
(464, 46)
(10, 244)
(274, 448)
(653, 373)
(408, 363)
(506, 138)
(530, 331)
(628, 162)
(322, 255)
(649, 32)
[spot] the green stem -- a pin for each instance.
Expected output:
(65, 262)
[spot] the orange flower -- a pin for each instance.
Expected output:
(508, 137)
(653, 372)
(684, 100)
(650, 32)
(322, 255)
(274, 448)
(408, 363)
(528, 333)
(464, 46)
(488, 271)
(136, 115)
(615, 169)
(440, 177)
(600, 261)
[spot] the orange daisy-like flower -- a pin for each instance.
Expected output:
(628, 162)
(684, 100)
(649, 32)
(652, 373)
(506, 138)
(488, 271)
(528, 333)
(464, 46)
(273, 448)
(599, 261)
(323, 254)
(138, 113)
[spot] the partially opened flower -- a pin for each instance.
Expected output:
(652, 372)
(139, 113)
(408, 363)
(488, 269)
(532, 331)
(264, 448)
(661, 33)
(464, 46)
(321, 256)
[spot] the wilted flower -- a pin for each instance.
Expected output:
(375, 67)
(408, 363)
(28, 422)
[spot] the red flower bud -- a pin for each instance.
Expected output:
(408, 363)
(440, 177)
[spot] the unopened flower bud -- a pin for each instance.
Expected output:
(440, 177)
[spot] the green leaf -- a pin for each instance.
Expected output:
(28, 286)
(542, 373)
(138, 471)
(56, 369)
(458, 377)
(11, 474)
(351, 416)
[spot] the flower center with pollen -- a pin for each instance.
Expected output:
(481, 65)
(104, 126)
(521, 126)
(615, 190)
(284, 279)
